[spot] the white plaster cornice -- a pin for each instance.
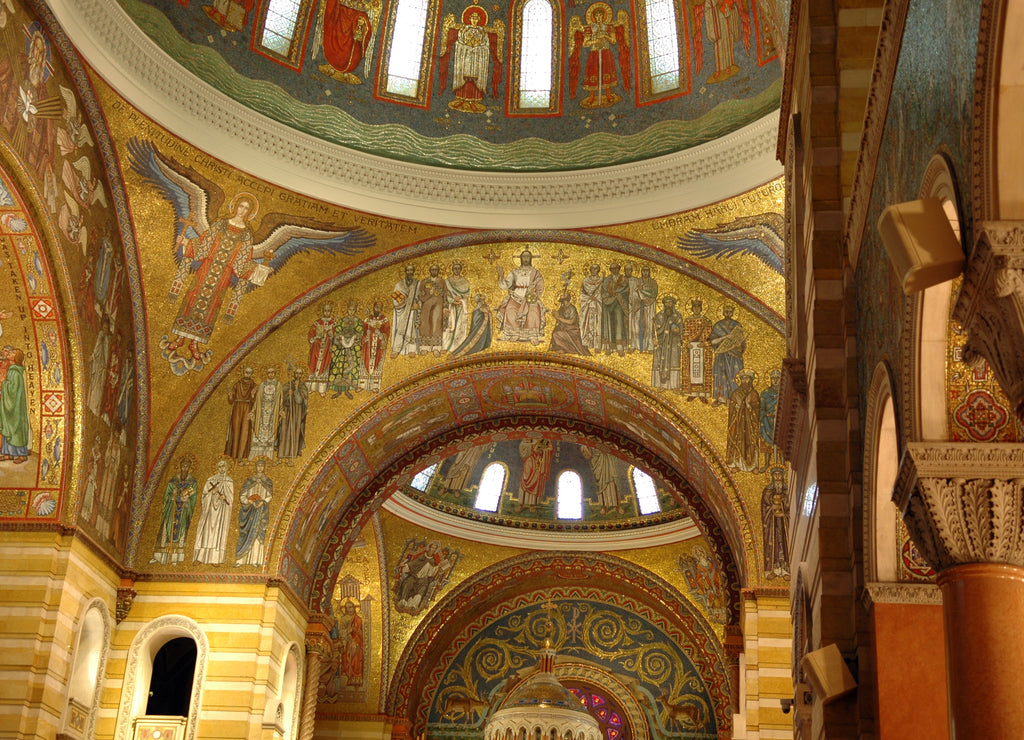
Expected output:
(424, 516)
(193, 110)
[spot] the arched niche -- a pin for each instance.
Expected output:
(356, 472)
(881, 465)
(446, 637)
(998, 146)
(89, 659)
(289, 691)
(139, 672)
(925, 389)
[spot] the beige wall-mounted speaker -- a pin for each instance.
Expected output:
(828, 674)
(921, 243)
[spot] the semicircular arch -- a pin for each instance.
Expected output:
(524, 585)
(423, 420)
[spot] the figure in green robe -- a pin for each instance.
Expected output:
(179, 503)
(14, 427)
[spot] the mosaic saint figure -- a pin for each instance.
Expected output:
(345, 29)
(254, 516)
(291, 431)
(648, 307)
(633, 330)
(614, 311)
(98, 367)
(725, 22)
(349, 628)
(423, 567)
(432, 294)
(266, 412)
(696, 376)
(744, 419)
(596, 35)
(456, 308)
(478, 336)
(93, 473)
(461, 474)
(222, 256)
(521, 315)
(15, 432)
(321, 336)
(376, 331)
(590, 308)
(214, 517)
(241, 398)
(729, 343)
(179, 503)
(28, 111)
(108, 484)
(769, 405)
(231, 15)
(603, 467)
(347, 353)
(775, 523)
(405, 324)
(566, 336)
(472, 50)
(668, 332)
(537, 455)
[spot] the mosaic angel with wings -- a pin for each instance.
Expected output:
(225, 258)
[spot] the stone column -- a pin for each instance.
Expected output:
(318, 649)
(964, 507)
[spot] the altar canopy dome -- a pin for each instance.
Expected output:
(541, 707)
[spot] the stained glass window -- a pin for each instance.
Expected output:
(570, 496)
(646, 493)
(406, 50)
(603, 708)
(279, 26)
(491, 484)
(280, 30)
(421, 480)
(662, 45)
(535, 56)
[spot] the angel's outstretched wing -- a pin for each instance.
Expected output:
(759, 235)
(288, 240)
(189, 201)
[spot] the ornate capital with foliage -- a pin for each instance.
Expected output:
(318, 636)
(964, 503)
(991, 304)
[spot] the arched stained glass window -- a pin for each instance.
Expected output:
(646, 493)
(492, 482)
(535, 80)
(280, 30)
(662, 45)
(421, 480)
(536, 55)
(570, 495)
(406, 48)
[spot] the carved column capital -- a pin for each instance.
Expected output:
(964, 503)
(318, 635)
(991, 304)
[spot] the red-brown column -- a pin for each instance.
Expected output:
(983, 610)
(963, 506)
